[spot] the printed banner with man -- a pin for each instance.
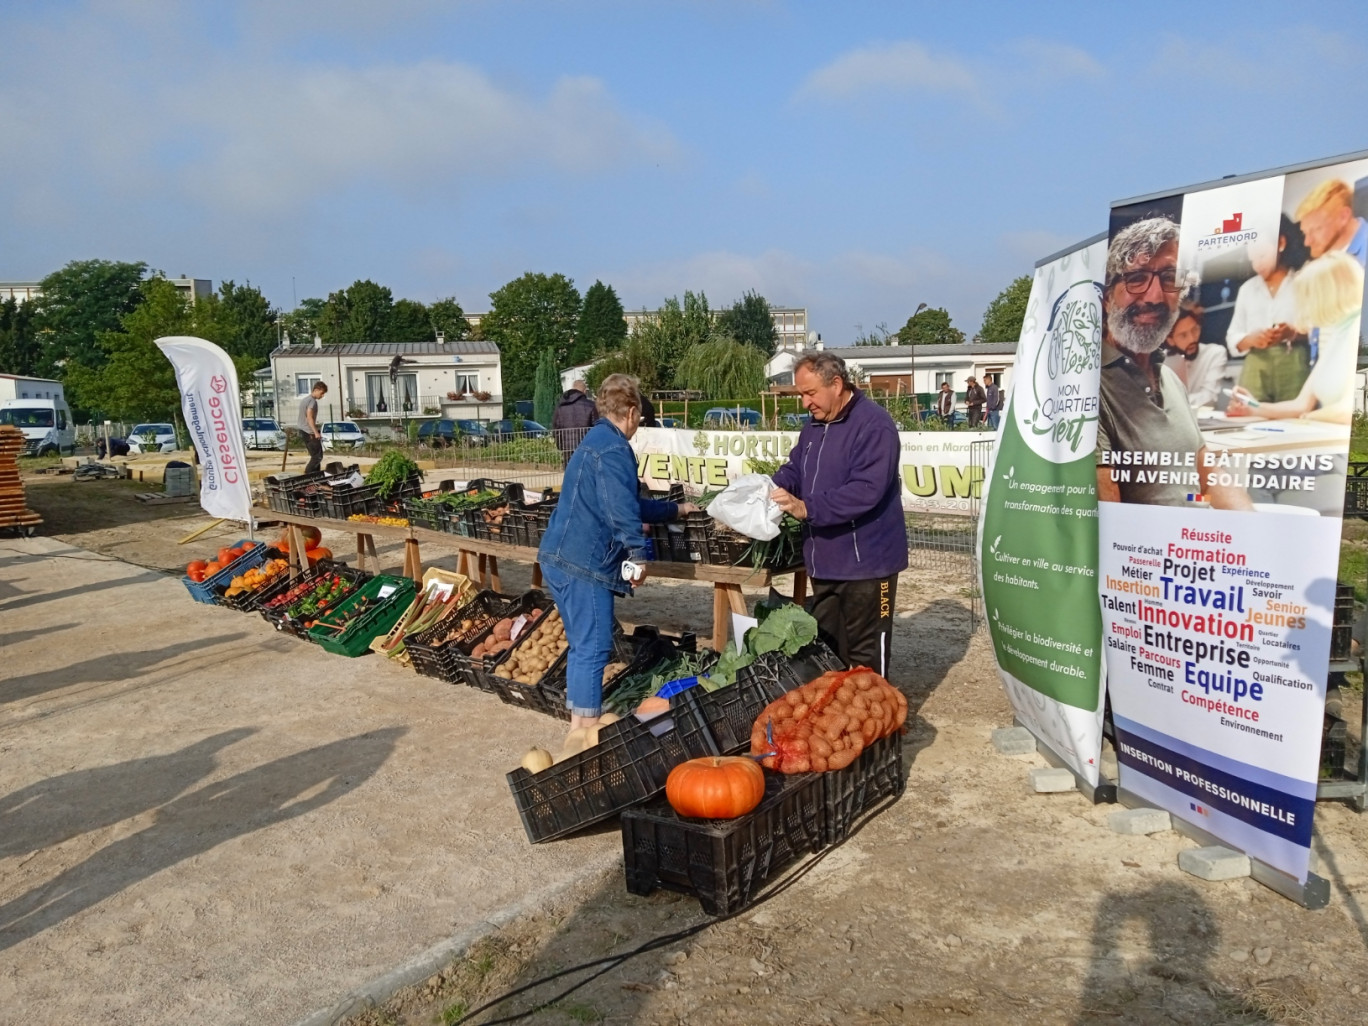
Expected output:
(1228, 365)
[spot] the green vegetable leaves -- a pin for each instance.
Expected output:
(390, 472)
(787, 629)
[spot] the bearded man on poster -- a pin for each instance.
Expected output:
(1144, 405)
(842, 480)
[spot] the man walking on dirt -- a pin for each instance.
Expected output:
(308, 423)
(841, 480)
(575, 415)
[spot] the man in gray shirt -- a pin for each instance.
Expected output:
(1149, 447)
(308, 423)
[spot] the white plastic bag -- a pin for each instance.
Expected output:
(745, 506)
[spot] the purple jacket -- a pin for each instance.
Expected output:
(847, 472)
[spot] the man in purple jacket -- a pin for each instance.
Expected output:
(841, 479)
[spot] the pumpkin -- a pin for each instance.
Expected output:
(226, 556)
(212, 568)
(195, 566)
(715, 787)
(313, 537)
(536, 760)
(283, 545)
(314, 555)
(196, 575)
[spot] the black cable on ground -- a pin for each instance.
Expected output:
(611, 962)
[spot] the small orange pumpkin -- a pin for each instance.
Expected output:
(715, 787)
(195, 566)
(226, 556)
(212, 568)
(314, 555)
(313, 537)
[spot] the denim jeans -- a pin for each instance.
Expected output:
(587, 612)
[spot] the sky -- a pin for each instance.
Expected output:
(855, 158)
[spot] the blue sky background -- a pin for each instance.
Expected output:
(855, 158)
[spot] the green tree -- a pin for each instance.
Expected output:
(20, 348)
(880, 336)
(930, 327)
(409, 321)
(1003, 319)
(136, 381)
(244, 321)
(673, 330)
(447, 317)
(528, 315)
(722, 368)
(547, 390)
(301, 323)
(359, 313)
(602, 328)
(750, 321)
(83, 299)
(636, 357)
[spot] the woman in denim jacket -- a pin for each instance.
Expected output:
(595, 527)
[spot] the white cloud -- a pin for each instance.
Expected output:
(1047, 59)
(905, 66)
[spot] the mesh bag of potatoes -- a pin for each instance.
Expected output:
(534, 652)
(826, 723)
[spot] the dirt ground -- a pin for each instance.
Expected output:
(970, 900)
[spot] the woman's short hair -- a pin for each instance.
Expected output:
(1329, 289)
(618, 394)
(827, 366)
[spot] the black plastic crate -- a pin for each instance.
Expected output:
(478, 673)
(723, 863)
(430, 513)
(628, 766)
(667, 545)
(250, 601)
(338, 502)
(728, 714)
(534, 519)
(875, 775)
(697, 530)
(443, 653)
(1342, 627)
(1356, 490)
(276, 617)
(287, 493)
(643, 648)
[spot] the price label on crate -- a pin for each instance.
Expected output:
(386, 590)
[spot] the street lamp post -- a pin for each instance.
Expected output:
(912, 360)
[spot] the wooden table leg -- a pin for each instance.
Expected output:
(463, 565)
(494, 574)
(413, 565)
(299, 562)
(365, 545)
(800, 586)
(721, 618)
(736, 600)
(536, 575)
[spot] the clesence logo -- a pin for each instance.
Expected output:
(1230, 232)
(218, 383)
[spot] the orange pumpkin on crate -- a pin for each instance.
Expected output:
(314, 555)
(715, 787)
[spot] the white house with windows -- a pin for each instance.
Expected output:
(459, 380)
(921, 369)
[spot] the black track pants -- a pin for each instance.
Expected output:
(856, 619)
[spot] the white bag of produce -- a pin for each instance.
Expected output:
(745, 506)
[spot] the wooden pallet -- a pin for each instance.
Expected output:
(161, 498)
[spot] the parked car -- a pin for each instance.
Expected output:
(262, 433)
(670, 422)
(731, 417)
(151, 438)
(795, 421)
(508, 429)
(342, 434)
(444, 432)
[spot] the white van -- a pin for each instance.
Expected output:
(46, 423)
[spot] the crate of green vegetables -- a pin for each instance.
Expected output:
(292, 604)
(349, 627)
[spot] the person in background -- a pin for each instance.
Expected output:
(1276, 356)
(997, 400)
(974, 398)
(1326, 217)
(575, 415)
(594, 528)
(842, 481)
(1329, 302)
(648, 416)
(945, 402)
(308, 424)
(1200, 368)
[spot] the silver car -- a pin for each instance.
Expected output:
(342, 434)
(151, 438)
(262, 433)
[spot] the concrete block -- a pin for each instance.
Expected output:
(1214, 863)
(1139, 821)
(1014, 741)
(1052, 779)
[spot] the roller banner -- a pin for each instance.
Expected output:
(1038, 532)
(1228, 362)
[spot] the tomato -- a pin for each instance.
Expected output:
(195, 565)
(196, 575)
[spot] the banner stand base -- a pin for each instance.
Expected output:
(1313, 894)
(1102, 794)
